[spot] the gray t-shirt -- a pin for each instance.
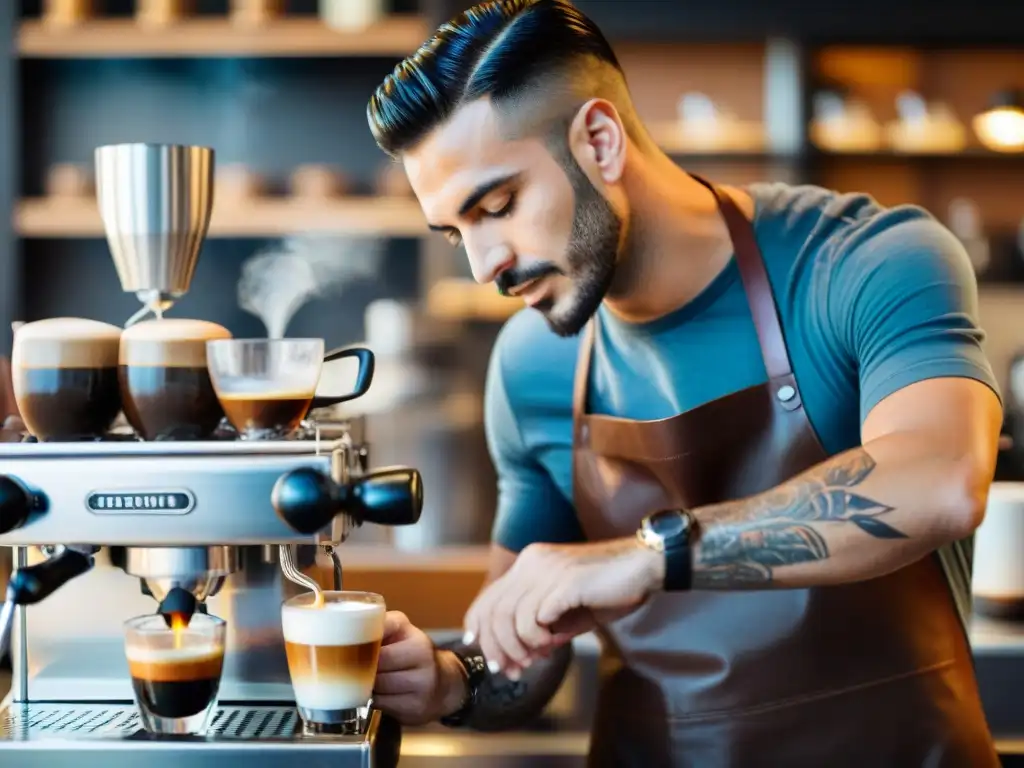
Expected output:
(871, 300)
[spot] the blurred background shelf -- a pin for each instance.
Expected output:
(398, 35)
(462, 299)
(973, 154)
(377, 216)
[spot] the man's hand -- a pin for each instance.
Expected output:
(416, 683)
(554, 592)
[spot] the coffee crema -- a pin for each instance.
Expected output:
(165, 382)
(280, 412)
(64, 374)
(332, 652)
(176, 682)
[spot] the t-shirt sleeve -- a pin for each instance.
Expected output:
(531, 508)
(904, 300)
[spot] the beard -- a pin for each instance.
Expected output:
(592, 257)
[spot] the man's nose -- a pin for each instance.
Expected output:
(490, 262)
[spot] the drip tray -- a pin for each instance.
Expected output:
(109, 735)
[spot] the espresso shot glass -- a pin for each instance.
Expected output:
(332, 657)
(175, 671)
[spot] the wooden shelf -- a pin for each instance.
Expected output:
(888, 155)
(371, 216)
(396, 36)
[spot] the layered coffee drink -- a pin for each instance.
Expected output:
(165, 382)
(64, 375)
(332, 654)
(175, 671)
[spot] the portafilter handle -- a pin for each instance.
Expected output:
(307, 499)
(34, 583)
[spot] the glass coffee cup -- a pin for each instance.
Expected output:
(267, 386)
(165, 382)
(332, 657)
(64, 376)
(175, 671)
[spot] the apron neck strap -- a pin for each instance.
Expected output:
(756, 286)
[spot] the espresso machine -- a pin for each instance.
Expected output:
(109, 529)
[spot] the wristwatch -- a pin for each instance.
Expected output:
(475, 668)
(672, 531)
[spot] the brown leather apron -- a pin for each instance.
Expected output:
(865, 675)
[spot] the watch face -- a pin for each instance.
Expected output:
(668, 524)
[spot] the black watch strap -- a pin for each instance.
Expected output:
(475, 667)
(678, 567)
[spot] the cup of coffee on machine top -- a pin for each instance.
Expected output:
(267, 386)
(165, 382)
(64, 376)
(332, 653)
(175, 671)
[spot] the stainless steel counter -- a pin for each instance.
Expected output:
(561, 739)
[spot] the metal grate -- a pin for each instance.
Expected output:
(39, 721)
(254, 722)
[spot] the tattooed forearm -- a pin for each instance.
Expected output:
(502, 704)
(746, 541)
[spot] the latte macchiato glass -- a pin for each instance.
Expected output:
(64, 372)
(265, 385)
(175, 671)
(332, 656)
(164, 378)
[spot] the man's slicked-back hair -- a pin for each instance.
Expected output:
(496, 49)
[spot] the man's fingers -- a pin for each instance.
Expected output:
(501, 624)
(396, 626)
(554, 605)
(574, 622)
(531, 634)
(407, 681)
(403, 654)
(481, 605)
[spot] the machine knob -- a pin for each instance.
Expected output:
(307, 499)
(16, 503)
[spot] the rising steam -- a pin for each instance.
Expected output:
(275, 283)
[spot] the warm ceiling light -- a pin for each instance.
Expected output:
(1001, 126)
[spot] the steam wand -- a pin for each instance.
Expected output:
(296, 576)
(34, 583)
(333, 553)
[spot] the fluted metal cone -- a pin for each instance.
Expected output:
(155, 201)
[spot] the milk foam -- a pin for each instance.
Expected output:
(66, 342)
(171, 342)
(340, 623)
(149, 655)
(175, 328)
(68, 328)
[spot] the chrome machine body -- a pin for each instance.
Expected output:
(106, 530)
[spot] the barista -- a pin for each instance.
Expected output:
(743, 432)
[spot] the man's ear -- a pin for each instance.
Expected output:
(597, 140)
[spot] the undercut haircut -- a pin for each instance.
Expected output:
(516, 52)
